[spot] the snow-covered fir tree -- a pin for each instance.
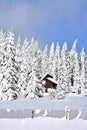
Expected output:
(56, 63)
(57, 67)
(35, 55)
(83, 71)
(72, 55)
(44, 61)
(76, 76)
(2, 57)
(19, 53)
(64, 75)
(10, 90)
(23, 76)
(18, 56)
(34, 88)
(51, 58)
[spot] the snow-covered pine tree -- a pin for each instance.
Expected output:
(56, 63)
(64, 74)
(38, 60)
(51, 58)
(19, 52)
(10, 91)
(57, 66)
(2, 57)
(35, 55)
(34, 88)
(83, 71)
(23, 78)
(72, 54)
(76, 74)
(30, 90)
(44, 61)
(18, 56)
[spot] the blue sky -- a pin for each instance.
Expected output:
(47, 20)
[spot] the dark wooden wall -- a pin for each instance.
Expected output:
(49, 85)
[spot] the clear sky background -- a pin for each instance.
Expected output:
(47, 20)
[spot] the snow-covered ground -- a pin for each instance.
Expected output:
(46, 107)
(42, 124)
(73, 102)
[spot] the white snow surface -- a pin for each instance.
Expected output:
(42, 124)
(45, 123)
(73, 102)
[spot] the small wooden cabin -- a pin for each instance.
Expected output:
(49, 82)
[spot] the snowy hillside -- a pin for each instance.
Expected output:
(45, 107)
(49, 114)
(74, 102)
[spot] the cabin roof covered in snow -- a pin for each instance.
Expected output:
(46, 76)
(52, 80)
